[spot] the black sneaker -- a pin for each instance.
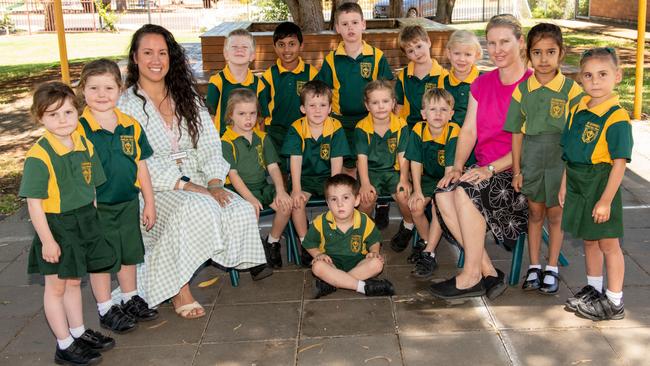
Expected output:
(78, 354)
(96, 341)
(305, 258)
(401, 239)
(117, 321)
(272, 251)
(377, 287)
(382, 216)
(322, 288)
(425, 266)
(139, 309)
(495, 285)
(261, 272)
(584, 295)
(601, 308)
(417, 251)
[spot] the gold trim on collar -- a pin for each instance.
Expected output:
(331, 221)
(122, 119)
(473, 74)
(231, 78)
(436, 69)
(61, 149)
(555, 84)
(300, 68)
(366, 49)
(600, 109)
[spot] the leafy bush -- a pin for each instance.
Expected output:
(107, 16)
(272, 10)
(555, 9)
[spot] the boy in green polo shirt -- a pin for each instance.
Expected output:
(421, 74)
(431, 149)
(239, 52)
(251, 155)
(349, 68)
(284, 81)
(345, 244)
(316, 146)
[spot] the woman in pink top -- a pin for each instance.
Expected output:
(485, 198)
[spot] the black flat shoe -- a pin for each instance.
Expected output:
(78, 354)
(139, 309)
(382, 218)
(96, 341)
(377, 287)
(447, 290)
(530, 285)
(550, 289)
(261, 272)
(495, 285)
(322, 288)
(117, 321)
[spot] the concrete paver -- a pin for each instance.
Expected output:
(350, 351)
(471, 348)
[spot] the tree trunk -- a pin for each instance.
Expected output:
(48, 10)
(395, 9)
(308, 14)
(120, 5)
(444, 11)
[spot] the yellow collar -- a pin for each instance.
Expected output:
(473, 74)
(329, 217)
(122, 119)
(368, 125)
(300, 68)
(436, 69)
(600, 109)
(427, 136)
(231, 135)
(555, 84)
(231, 79)
(328, 128)
(366, 49)
(61, 149)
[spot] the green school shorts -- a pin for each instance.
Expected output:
(385, 183)
(83, 248)
(264, 192)
(313, 185)
(120, 223)
(428, 185)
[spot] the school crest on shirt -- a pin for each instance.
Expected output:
(127, 144)
(299, 85)
(325, 151)
(590, 132)
(355, 243)
(441, 157)
(429, 86)
(557, 107)
(392, 144)
(366, 69)
(87, 171)
(260, 155)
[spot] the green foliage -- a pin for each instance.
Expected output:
(554, 9)
(272, 10)
(7, 26)
(108, 17)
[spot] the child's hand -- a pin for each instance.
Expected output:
(404, 187)
(299, 198)
(601, 212)
(257, 205)
(283, 200)
(148, 216)
(561, 194)
(323, 257)
(450, 177)
(51, 252)
(367, 193)
(371, 255)
(416, 201)
(517, 182)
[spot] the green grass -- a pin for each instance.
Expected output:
(13, 72)
(626, 90)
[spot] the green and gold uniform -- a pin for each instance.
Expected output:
(592, 139)
(459, 89)
(250, 160)
(284, 98)
(382, 151)
(434, 153)
(348, 77)
(65, 180)
(222, 84)
(539, 112)
(316, 153)
(409, 90)
(118, 205)
(348, 248)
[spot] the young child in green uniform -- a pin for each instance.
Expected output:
(345, 244)
(349, 68)
(239, 52)
(284, 81)
(59, 179)
(597, 144)
(381, 140)
(536, 118)
(122, 147)
(421, 74)
(316, 146)
(431, 150)
(251, 155)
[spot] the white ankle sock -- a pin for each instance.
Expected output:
(615, 297)
(533, 276)
(271, 239)
(65, 343)
(128, 296)
(302, 239)
(409, 225)
(548, 279)
(104, 307)
(78, 331)
(432, 254)
(596, 282)
(361, 287)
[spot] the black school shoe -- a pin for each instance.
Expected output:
(78, 354)
(601, 308)
(416, 252)
(447, 290)
(382, 217)
(585, 294)
(96, 341)
(117, 321)
(401, 239)
(305, 258)
(272, 252)
(377, 287)
(495, 285)
(139, 309)
(261, 272)
(530, 285)
(322, 288)
(425, 266)
(550, 289)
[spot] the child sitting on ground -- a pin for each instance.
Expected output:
(345, 244)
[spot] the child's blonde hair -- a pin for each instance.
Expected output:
(94, 68)
(49, 94)
(435, 95)
(380, 84)
(238, 96)
(465, 38)
(412, 34)
(240, 32)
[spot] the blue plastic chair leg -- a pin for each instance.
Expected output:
(234, 277)
(517, 255)
(294, 239)
(292, 249)
(461, 258)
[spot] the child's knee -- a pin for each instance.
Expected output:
(535, 215)
(318, 268)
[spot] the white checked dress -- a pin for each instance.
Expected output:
(190, 227)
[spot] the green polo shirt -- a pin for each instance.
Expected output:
(459, 89)
(348, 248)
(119, 151)
(409, 90)
(597, 135)
(249, 159)
(219, 88)
(65, 179)
(537, 109)
(382, 151)
(316, 153)
(348, 77)
(433, 152)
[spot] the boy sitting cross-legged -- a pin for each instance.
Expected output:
(345, 244)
